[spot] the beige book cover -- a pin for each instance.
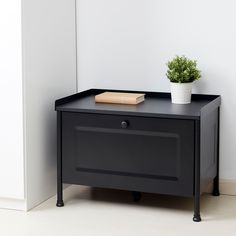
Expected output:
(120, 98)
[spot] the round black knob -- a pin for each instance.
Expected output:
(124, 124)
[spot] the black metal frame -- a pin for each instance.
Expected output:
(60, 202)
(197, 193)
(196, 216)
(216, 191)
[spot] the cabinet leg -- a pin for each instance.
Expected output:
(216, 191)
(136, 196)
(196, 216)
(60, 202)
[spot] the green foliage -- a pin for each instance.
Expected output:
(182, 70)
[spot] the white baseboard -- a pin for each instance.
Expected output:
(22, 205)
(227, 187)
(30, 205)
(13, 204)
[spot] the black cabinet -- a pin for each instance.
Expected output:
(155, 146)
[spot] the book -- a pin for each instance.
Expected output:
(120, 98)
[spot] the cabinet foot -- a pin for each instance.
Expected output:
(197, 218)
(216, 192)
(60, 204)
(136, 196)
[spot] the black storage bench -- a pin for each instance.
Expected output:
(155, 146)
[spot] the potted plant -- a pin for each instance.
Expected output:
(182, 72)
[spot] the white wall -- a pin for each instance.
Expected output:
(125, 44)
(11, 125)
(49, 55)
(37, 66)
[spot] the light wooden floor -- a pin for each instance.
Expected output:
(93, 212)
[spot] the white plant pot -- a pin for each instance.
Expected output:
(181, 92)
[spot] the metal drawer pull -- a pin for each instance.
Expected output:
(124, 124)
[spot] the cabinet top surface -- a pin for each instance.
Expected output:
(155, 105)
